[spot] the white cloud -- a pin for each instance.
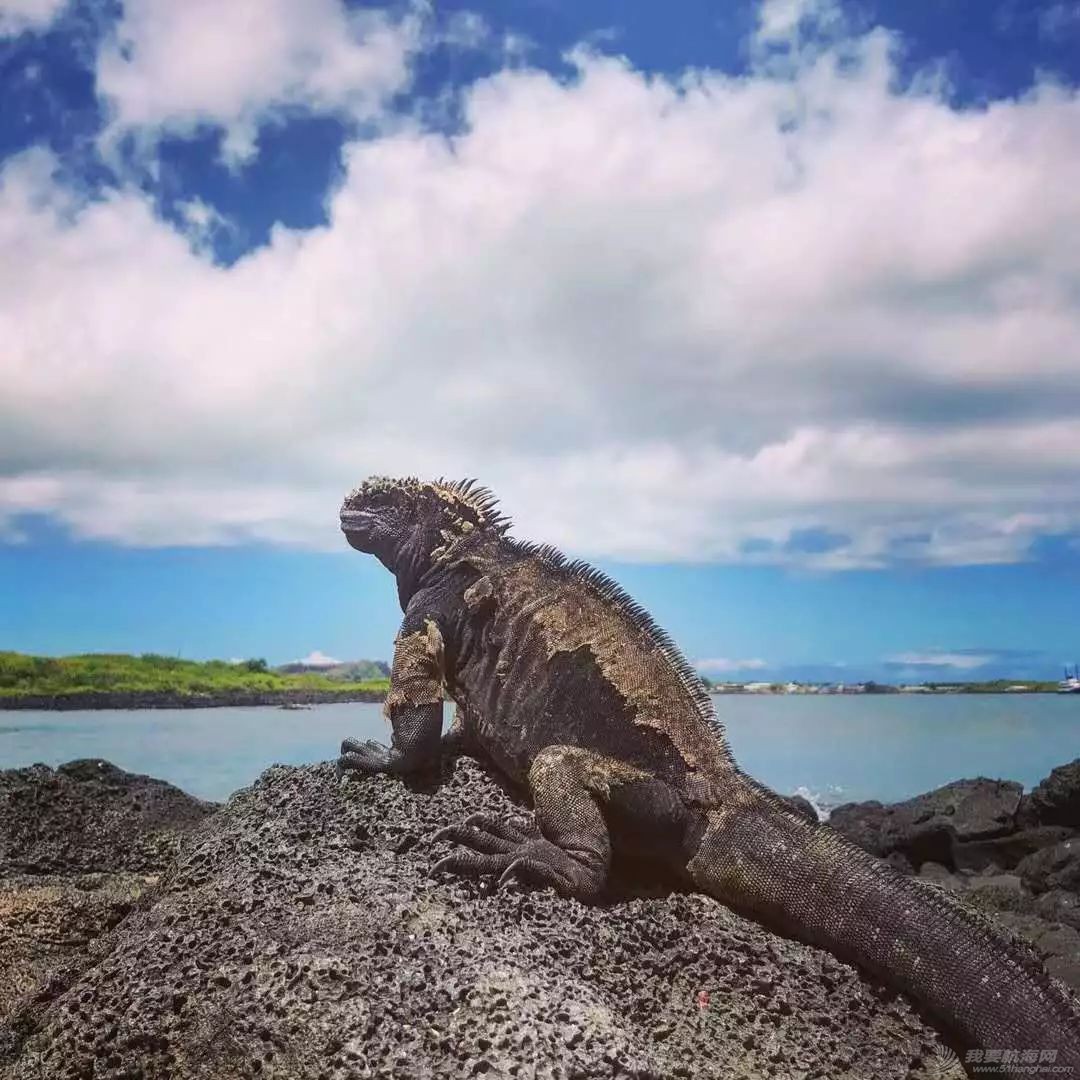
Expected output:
(960, 661)
(317, 658)
(466, 30)
(17, 16)
(781, 21)
(171, 68)
(1060, 21)
(202, 223)
(725, 664)
(662, 320)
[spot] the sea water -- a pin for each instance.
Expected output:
(830, 748)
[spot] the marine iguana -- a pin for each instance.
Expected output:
(575, 695)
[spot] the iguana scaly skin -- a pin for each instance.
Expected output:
(567, 686)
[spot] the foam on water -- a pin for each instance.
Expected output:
(822, 801)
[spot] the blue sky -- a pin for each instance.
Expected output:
(771, 312)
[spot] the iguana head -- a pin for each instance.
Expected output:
(414, 520)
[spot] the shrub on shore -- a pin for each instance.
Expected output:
(22, 675)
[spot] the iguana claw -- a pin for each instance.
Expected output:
(507, 848)
(365, 757)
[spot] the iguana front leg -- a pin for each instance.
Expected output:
(568, 846)
(414, 705)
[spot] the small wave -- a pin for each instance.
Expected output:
(823, 802)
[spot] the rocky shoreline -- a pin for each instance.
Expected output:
(1012, 854)
(156, 699)
(297, 932)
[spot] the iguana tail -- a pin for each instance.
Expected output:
(807, 881)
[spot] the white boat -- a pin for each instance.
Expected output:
(1071, 683)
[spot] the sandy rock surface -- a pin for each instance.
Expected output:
(302, 935)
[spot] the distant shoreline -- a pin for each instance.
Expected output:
(890, 692)
(154, 699)
(150, 681)
(995, 686)
(166, 699)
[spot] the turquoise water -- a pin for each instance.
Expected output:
(833, 749)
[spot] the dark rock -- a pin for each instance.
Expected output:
(985, 825)
(79, 845)
(999, 893)
(802, 806)
(1005, 852)
(1065, 965)
(900, 862)
(1059, 905)
(942, 875)
(88, 816)
(1009, 882)
(926, 827)
(1056, 800)
(1056, 867)
(1057, 945)
(266, 955)
(861, 823)
(1026, 817)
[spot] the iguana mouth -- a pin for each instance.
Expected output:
(355, 520)
(358, 526)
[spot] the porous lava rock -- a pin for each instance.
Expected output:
(88, 816)
(49, 922)
(78, 846)
(301, 935)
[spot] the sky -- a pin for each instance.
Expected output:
(771, 309)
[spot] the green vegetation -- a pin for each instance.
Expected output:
(118, 673)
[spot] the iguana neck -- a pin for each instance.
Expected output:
(418, 564)
(415, 565)
(409, 560)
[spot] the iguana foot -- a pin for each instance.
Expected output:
(417, 739)
(494, 846)
(365, 757)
